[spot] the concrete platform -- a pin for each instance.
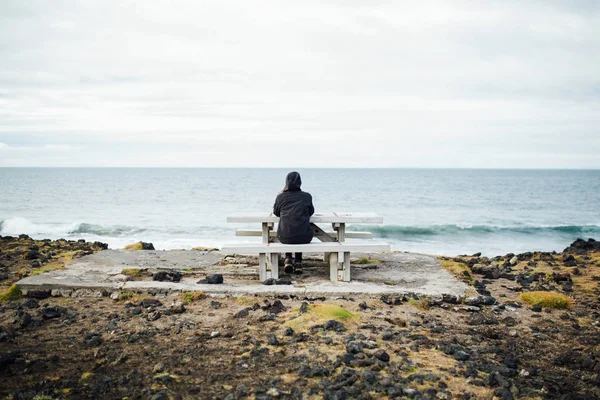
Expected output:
(100, 275)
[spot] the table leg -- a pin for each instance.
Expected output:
(262, 267)
(274, 265)
(334, 266)
(265, 232)
(346, 270)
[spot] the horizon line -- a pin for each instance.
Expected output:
(292, 168)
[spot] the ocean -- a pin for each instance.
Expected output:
(434, 211)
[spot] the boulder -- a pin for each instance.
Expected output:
(139, 246)
(215, 279)
(580, 246)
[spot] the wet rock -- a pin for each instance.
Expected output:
(480, 319)
(215, 279)
(30, 303)
(304, 307)
(214, 304)
(333, 325)
(147, 246)
(32, 255)
(100, 245)
(153, 316)
(167, 276)
(38, 294)
(242, 313)
(461, 355)
(512, 303)
(272, 340)
(178, 308)
(488, 271)
(92, 340)
(23, 320)
(52, 312)
(354, 347)
(288, 332)
(267, 317)
(275, 308)
(363, 305)
(271, 281)
(561, 277)
(580, 246)
(381, 355)
(385, 299)
(151, 303)
(311, 372)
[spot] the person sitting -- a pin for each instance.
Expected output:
(294, 208)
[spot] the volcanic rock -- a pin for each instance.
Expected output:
(215, 279)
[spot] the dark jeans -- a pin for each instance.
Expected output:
(297, 258)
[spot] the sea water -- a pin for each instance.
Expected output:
(436, 211)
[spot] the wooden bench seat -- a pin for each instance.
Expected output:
(339, 259)
(273, 234)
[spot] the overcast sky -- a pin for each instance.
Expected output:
(486, 84)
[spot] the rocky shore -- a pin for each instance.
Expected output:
(529, 328)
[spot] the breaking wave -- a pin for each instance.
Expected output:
(406, 232)
(18, 225)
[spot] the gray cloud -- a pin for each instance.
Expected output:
(378, 84)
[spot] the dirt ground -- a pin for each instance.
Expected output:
(490, 344)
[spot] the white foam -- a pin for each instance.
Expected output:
(19, 225)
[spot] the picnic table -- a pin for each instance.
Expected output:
(333, 243)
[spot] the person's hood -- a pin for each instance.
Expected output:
(292, 182)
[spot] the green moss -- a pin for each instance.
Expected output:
(86, 375)
(47, 268)
(422, 304)
(362, 261)
(458, 269)
(547, 299)
(190, 297)
(126, 295)
(135, 246)
(11, 294)
(131, 271)
(318, 314)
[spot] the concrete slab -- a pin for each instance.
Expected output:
(387, 273)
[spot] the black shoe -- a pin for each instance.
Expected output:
(288, 266)
(298, 268)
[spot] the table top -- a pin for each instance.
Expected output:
(328, 217)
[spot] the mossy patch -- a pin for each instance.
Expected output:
(547, 299)
(190, 297)
(48, 268)
(11, 294)
(458, 269)
(86, 375)
(362, 261)
(126, 295)
(132, 271)
(135, 246)
(167, 377)
(318, 314)
(422, 304)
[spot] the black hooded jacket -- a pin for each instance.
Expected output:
(294, 207)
